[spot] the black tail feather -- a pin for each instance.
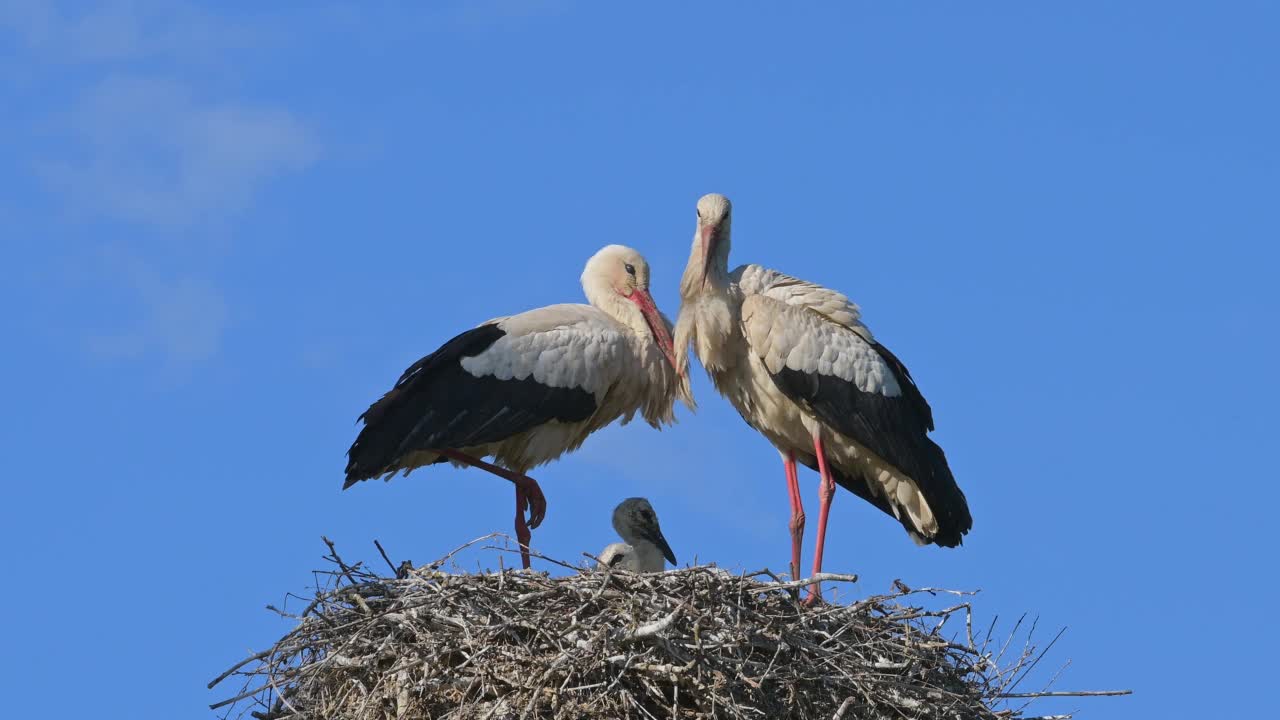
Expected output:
(945, 498)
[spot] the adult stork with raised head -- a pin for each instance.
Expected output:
(797, 363)
(528, 388)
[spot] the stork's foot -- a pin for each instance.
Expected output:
(530, 497)
(814, 598)
(797, 538)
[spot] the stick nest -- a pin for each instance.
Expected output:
(694, 643)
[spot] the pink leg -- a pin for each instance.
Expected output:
(522, 529)
(797, 511)
(528, 496)
(826, 492)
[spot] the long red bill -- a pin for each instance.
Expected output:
(649, 309)
(708, 240)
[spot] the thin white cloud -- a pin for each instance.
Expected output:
(138, 133)
(180, 319)
(118, 30)
(146, 150)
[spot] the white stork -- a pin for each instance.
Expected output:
(528, 388)
(644, 549)
(800, 367)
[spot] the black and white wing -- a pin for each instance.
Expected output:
(492, 382)
(821, 357)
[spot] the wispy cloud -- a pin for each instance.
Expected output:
(147, 150)
(180, 319)
(118, 30)
(130, 117)
(141, 138)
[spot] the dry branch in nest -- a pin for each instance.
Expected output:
(694, 643)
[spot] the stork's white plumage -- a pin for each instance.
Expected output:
(645, 549)
(797, 363)
(528, 388)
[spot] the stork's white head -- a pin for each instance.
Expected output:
(616, 280)
(713, 209)
(711, 238)
(637, 523)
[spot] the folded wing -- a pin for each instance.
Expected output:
(821, 357)
(490, 383)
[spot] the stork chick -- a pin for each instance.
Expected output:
(645, 547)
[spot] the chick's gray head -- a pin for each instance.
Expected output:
(636, 522)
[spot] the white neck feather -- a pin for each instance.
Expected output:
(601, 294)
(717, 275)
(708, 312)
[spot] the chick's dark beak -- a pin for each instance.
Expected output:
(657, 539)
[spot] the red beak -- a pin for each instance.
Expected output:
(644, 301)
(708, 246)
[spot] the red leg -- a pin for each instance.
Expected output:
(797, 511)
(522, 529)
(528, 496)
(537, 503)
(826, 493)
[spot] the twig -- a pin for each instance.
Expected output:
(819, 577)
(394, 570)
(655, 627)
(334, 554)
(534, 553)
(843, 706)
(1067, 693)
(231, 670)
(1035, 662)
(241, 696)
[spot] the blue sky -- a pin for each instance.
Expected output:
(229, 228)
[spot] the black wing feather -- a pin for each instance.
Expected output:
(895, 428)
(436, 405)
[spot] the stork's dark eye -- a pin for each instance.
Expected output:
(631, 269)
(699, 213)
